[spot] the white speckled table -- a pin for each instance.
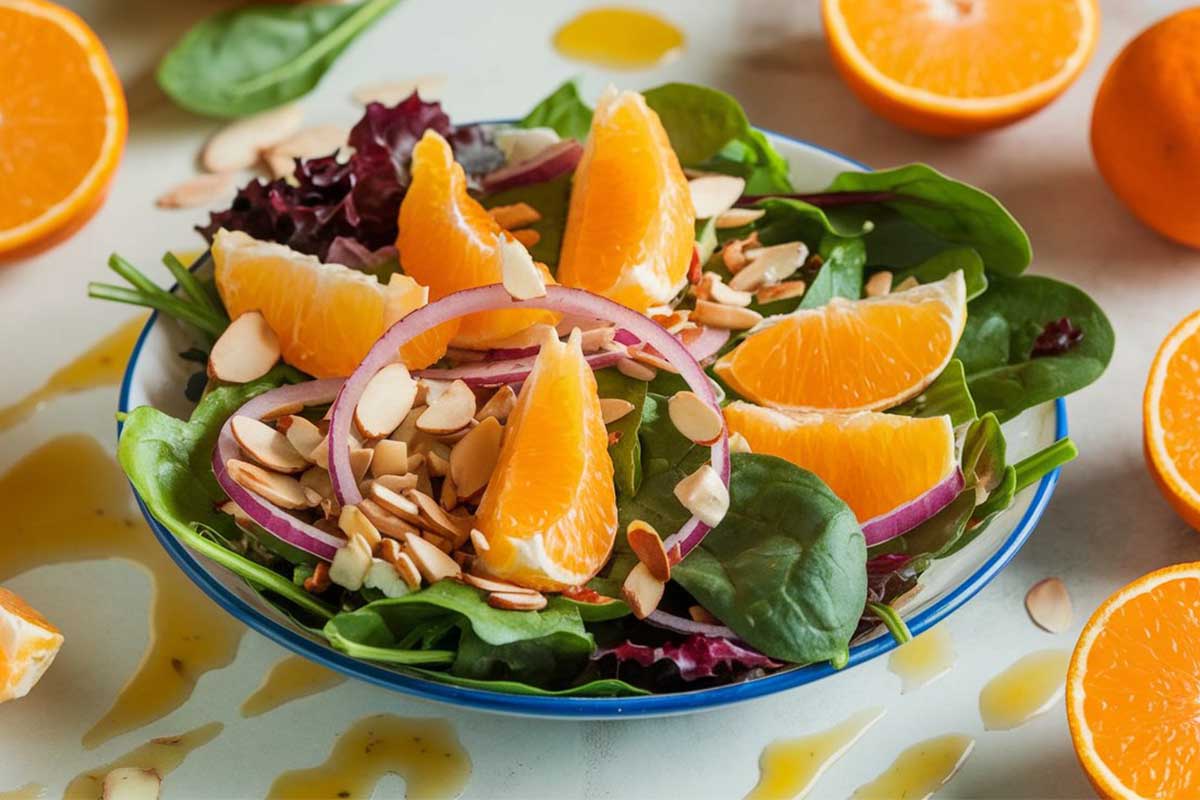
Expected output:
(1105, 526)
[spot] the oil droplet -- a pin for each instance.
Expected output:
(161, 755)
(923, 659)
(291, 678)
(30, 791)
(920, 770)
(425, 752)
(623, 38)
(102, 365)
(67, 501)
(790, 767)
(1031, 686)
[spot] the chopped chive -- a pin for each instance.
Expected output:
(891, 620)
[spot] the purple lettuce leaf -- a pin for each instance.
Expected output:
(695, 657)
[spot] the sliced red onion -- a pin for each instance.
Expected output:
(706, 343)
(669, 622)
(514, 370)
(548, 164)
(903, 519)
(270, 517)
(492, 298)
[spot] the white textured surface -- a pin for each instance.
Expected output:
(1106, 525)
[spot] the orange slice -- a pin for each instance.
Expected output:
(1171, 419)
(951, 67)
(630, 226)
(550, 511)
(62, 123)
(874, 462)
(851, 355)
(1132, 699)
(28, 643)
(449, 242)
(326, 316)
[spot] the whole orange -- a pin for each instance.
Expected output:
(1146, 127)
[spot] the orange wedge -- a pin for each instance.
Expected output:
(1132, 699)
(28, 643)
(851, 355)
(874, 462)
(62, 123)
(449, 242)
(1171, 419)
(326, 316)
(952, 67)
(550, 511)
(630, 226)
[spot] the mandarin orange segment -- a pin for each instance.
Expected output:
(28, 643)
(62, 122)
(1133, 688)
(326, 316)
(630, 225)
(449, 242)
(1171, 419)
(874, 462)
(550, 511)
(851, 355)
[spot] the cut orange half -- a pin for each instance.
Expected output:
(1171, 419)
(1133, 688)
(851, 355)
(28, 643)
(951, 67)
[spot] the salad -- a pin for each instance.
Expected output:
(595, 403)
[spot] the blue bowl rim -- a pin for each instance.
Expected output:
(590, 707)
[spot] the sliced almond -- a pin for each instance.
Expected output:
(528, 237)
(435, 518)
(613, 409)
(769, 265)
(266, 445)
(408, 428)
(908, 283)
(474, 457)
(715, 194)
(397, 504)
(715, 290)
(353, 522)
(391, 458)
(1049, 605)
(440, 542)
(674, 321)
(439, 465)
(234, 510)
(593, 340)
(694, 418)
(382, 575)
(642, 591)
(516, 601)
(317, 480)
(320, 453)
(479, 541)
(385, 402)
(397, 483)
(311, 142)
(737, 217)
(201, 190)
(492, 585)
(701, 614)
(704, 495)
(647, 545)
(521, 277)
(432, 563)
(350, 563)
(733, 254)
(517, 215)
(282, 490)
(716, 315)
(128, 783)
(787, 290)
(245, 351)
(303, 435)
(384, 521)
(389, 550)
(406, 568)
(389, 93)
(632, 369)
(238, 144)
(738, 443)
(448, 497)
(450, 412)
(879, 284)
(499, 405)
(360, 462)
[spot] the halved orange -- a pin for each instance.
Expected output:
(1133, 688)
(550, 511)
(630, 225)
(62, 123)
(326, 316)
(449, 242)
(851, 355)
(951, 67)
(1171, 419)
(874, 462)
(28, 643)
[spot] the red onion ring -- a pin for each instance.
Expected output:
(707, 342)
(549, 163)
(513, 370)
(669, 622)
(903, 519)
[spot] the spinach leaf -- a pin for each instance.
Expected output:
(602, 687)
(997, 344)
(946, 262)
(698, 120)
(551, 199)
(786, 568)
(841, 273)
(948, 394)
(246, 60)
(667, 458)
(564, 111)
(752, 157)
(626, 454)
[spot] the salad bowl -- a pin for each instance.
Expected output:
(155, 374)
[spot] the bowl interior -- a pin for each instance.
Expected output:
(156, 375)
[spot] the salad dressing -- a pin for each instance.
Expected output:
(923, 659)
(1031, 686)
(622, 38)
(162, 755)
(424, 752)
(920, 770)
(92, 521)
(291, 678)
(30, 791)
(791, 767)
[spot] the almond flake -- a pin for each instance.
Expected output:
(715, 194)
(642, 591)
(360, 462)
(320, 453)
(390, 93)
(787, 290)
(522, 144)
(246, 350)
(517, 215)
(439, 465)
(450, 412)
(479, 541)
(448, 498)
(738, 443)
(435, 518)
(350, 564)
(704, 495)
(521, 277)
(282, 490)
(737, 217)
(397, 504)
(353, 522)
(701, 614)
(312, 142)
(632, 369)
(769, 265)
(492, 585)
(389, 550)
(513, 601)
(397, 483)
(528, 237)
(613, 409)
(266, 445)
(734, 252)
(198, 191)
(238, 144)
(384, 521)
(593, 340)
(302, 434)
(716, 315)
(130, 783)
(406, 568)
(385, 402)
(382, 575)
(408, 428)
(438, 541)
(694, 418)
(473, 459)
(432, 563)
(391, 458)
(879, 284)
(718, 292)
(1049, 605)
(908, 283)
(317, 480)
(647, 545)
(280, 411)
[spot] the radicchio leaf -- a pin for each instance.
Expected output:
(1059, 336)
(695, 657)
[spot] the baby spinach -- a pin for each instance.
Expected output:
(997, 344)
(551, 199)
(564, 111)
(245, 60)
(946, 262)
(841, 273)
(626, 453)
(698, 120)
(786, 568)
(667, 458)
(948, 394)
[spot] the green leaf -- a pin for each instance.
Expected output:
(604, 687)
(841, 273)
(626, 454)
(786, 568)
(946, 262)
(667, 458)
(249, 59)
(997, 344)
(699, 121)
(564, 111)
(551, 199)
(948, 394)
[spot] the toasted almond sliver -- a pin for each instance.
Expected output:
(632, 369)
(385, 402)
(397, 483)
(474, 457)
(320, 453)
(282, 490)
(392, 92)
(528, 237)
(435, 518)
(694, 418)
(879, 284)
(715, 194)
(479, 541)
(450, 412)
(520, 275)
(448, 498)
(407, 431)
(353, 522)
(493, 585)
(317, 480)
(266, 445)
(781, 291)
(302, 433)
(439, 541)
(514, 601)
(737, 217)
(198, 191)
(237, 145)
(384, 521)
(716, 315)
(718, 292)
(642, 591)
(360, 462)
(310, 142)
(499, 405)
(280, 411)
(769, 265)
(704, 495)
(396, 504)
(350, 563)
(908, 283)
(517, 215)
(738, 443)
(593, 340)
(433, 564)
(406, 568)
(614, 408)
(734, 252)
(391, 458)
(648, 547)
(439, 465)
(701, 614)
(1049, 605)
(389, 550)
(246, 350)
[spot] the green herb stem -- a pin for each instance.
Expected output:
(388, 655)
(891, 620)
(191, 287)
(167, 304)
(1033, 468)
